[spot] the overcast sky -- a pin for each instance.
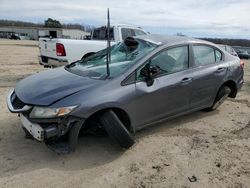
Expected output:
(211, 18)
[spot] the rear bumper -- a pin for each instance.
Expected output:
(52, 62)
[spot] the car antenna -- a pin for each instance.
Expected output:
(108, 45)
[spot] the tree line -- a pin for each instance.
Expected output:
(47, 23)
(230, 42)
(56, 24)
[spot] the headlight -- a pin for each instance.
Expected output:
(46, 112)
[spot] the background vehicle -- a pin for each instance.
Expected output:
(229, 49)
(19, 37)
(243, 54)
(15, 37)
(152, 78)
(58, 52)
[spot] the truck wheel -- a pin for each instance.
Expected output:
(116, 129)
(220, 97)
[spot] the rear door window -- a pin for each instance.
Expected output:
(205, 55)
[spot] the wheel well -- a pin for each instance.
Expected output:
(88, 54)
(232, 85)
(122, 115)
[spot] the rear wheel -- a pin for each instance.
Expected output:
(220, 97)
(116, 129)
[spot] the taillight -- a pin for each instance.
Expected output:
(60, 50)
(242, 64)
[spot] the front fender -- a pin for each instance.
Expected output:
(85, 112)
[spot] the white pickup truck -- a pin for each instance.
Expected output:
(58, 52)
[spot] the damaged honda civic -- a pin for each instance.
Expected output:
(124, 88)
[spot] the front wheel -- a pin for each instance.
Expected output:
(220, 97)
(116, 129)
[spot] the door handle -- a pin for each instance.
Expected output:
(220, 69)
(186, 80)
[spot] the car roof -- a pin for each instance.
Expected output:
(167, 39)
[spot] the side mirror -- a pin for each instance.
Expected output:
(148, 72)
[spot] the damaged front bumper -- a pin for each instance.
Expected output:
(47, 130)
(59, 134)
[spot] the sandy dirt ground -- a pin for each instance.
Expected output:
(213, 147)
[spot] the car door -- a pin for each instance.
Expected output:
(170, 92)
(208, 73)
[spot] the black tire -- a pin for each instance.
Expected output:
(116, 129)
(87, 55)
(221, 96)
(73, 135)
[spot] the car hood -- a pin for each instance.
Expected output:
(47, 87)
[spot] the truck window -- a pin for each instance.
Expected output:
(127, 32)
(101, 34)
(139, 32)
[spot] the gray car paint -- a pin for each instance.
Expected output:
(169, 96)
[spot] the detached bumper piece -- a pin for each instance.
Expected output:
(38, 132)
(35, 130)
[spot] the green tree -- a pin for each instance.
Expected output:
(52, 23)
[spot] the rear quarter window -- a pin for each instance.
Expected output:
(218, 56)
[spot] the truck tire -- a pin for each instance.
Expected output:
(116, 129)
(221, 96)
